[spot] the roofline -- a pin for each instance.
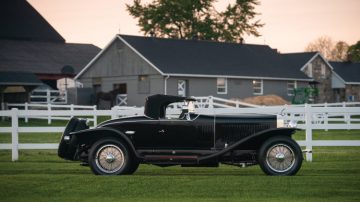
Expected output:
(317, 54)
(106, 47)
(236, 77)
(139, 54)
(94, 59)
(326, 61)
(20, 84)
(345, 82)
(352, 83)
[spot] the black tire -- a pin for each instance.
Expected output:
(132, 169)
(280, 155)
(117, 160)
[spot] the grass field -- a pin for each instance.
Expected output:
(40, 175)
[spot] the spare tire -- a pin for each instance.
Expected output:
(63, 150)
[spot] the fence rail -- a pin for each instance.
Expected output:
(49, 96)
(51, 107)
(309, 117)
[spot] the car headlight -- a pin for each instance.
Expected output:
(280, 123)
(292, 124)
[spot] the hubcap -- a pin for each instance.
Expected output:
(109, 158)
(280, 158)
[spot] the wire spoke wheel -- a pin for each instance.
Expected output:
(109, 158)
(280, 158)
(280, 155)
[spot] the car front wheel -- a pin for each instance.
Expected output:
(280, 155)
(109, 157)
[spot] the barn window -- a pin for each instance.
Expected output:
(121, 87)
(291, 85)
(323, 71)
(257, 87)
(143, 84)
(309, 71)
(221, 85)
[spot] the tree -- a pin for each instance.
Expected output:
(339, 51)
(325, 45)
(354, 52)
(187, 19)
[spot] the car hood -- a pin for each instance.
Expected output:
(120, 120)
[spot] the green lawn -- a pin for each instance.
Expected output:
(40, 175)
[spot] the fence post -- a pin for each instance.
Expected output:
(26, 112)
(72, 110)
(211, 102)
(308, 132)
(49, 111)
(113, 113)
(95, 116)
(66, 97)
(346, 117)
(326, 121)
(14, 134)
(48, 95)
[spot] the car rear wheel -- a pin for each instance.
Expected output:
(280, 155)
(109, 157)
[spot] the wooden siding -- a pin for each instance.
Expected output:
(237, 88)
(119, 60)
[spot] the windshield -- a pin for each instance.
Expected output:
(180, 110)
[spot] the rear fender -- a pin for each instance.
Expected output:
(253, 141)
(90, 136)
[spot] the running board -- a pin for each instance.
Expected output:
(178, 159)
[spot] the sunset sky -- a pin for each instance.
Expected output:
(289, 24)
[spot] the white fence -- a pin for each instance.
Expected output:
(52, 107)
(48, 96)
(309, 117)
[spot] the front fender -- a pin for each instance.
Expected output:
(254, 140)
(90, 136)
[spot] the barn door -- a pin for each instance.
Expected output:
(182, 88)
(121, 96)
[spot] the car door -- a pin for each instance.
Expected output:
(144, 132)
(176, 134)
(197, 133)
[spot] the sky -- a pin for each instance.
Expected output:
(289, 24)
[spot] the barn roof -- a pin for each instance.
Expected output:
(196, 57)
(10, 78)
(348, 71)
(44, 57)
(20, 21)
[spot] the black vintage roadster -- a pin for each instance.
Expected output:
(118, 146)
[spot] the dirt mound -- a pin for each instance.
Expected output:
(268, 100)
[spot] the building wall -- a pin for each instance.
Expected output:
(352, 90)
(236, 88)
(326, 93)
(120, 65)
(119, 60)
